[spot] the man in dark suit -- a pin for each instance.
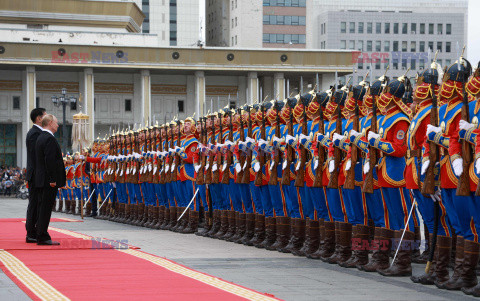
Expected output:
(33, 196)
(49, 176)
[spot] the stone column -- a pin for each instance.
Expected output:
(253, 92)
(87, 90)
(279, 86)
(199, 93)
(29, 93)
(146, 95)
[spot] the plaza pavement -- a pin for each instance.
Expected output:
(283, 275)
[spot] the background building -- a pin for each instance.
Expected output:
(395, 33)
(398, 34)
(97, 51)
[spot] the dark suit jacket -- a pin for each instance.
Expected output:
(49, 162)
(31, 140)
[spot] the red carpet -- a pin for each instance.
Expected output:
(79, 273)
(53, 220)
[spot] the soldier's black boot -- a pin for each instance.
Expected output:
(321, 240)
(282, 233)
(439, 265)
(459, 257)
(160, 217)
(359, 247)
(467, 277)
(312, 238)
(259, 232)
(215, 224)
(207, 224)
(343, 246)
(232, 225)
(270, 233)
(223, 225)
(381, 246)
(249, 229)
(240, 226)
(403, 263)
(192, 222)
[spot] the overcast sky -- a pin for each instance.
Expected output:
(473, 50)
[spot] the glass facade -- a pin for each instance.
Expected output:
(8, 144)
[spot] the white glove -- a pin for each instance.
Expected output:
(304, 137)
(207, 166)
(290, 140)
(284, 165)
(167, 168)
(256, 167)
(315, 164)
(298, 166)
(366, 167)
(457, 165)
(224, 166)
(134, 170)
(173, 167)
(348, 165)
(477, 165)
(425, 166)
(229, 144)
(197, 167)
(337, 137)
(431, 128)
(149, 167)
(238, 167)
(214, 167)
(372, 135)
(354, 133)
(250, 143)
(331, 166)
(155, 170)
(464, 125)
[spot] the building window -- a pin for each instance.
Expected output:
(360, 65)
(386, 46)
(448, 47)
(404, 64)
(378, 46)
(343, 27)
(281, 20)
(128, 105)
(266, 20)
(360, 45)
(430, 28)
(395, 45)
(413, 64)
(422, 46)
(352, 27)
(8, 144)
(37, 102)
(387, 27)
(377, 64)
(395, 28)
(440, 28)
(449, 29)
(351, 45)
(440, 62)
(343, 44)
(360, 27)
(430, 46)
(73, 106)
(421, 64)
(413, 28)
(422, 28)
(369, 45)
(266, 38)
(235, 39)
(378, 28)
(439, 46)
(447, 62)
(16, 102)
(395, 65)
(369, 27)
(180, 106)
(404, 28)
(386, 63)
(404, 46)
(413, 46)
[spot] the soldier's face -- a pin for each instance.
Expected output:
(187, 127)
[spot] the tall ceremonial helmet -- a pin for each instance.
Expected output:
(473, 84)
(454, 78)
(272, 112)
(304, 101)
(394, 92)
(426, 78)
(356, 97)
(290, 104)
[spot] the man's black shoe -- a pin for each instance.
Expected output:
(30, 240)
(92, 215)
(48, 243)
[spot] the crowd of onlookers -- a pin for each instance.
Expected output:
(10, 178)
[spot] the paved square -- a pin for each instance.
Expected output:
(283, 275)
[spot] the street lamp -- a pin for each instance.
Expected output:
(63, 100)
